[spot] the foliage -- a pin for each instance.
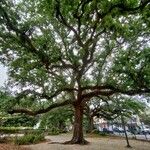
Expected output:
(31, 138)
(11, 130)
(145, 117)
(112, 107)
(68, 52)
(103, 134)
(35, 131)
(57, 120)
(6, 101)
(54, 131)
(20, 120)
(8, 130)
(53, 50)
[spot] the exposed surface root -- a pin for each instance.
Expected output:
(81, 142)
(128, 146)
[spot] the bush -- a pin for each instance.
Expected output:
(29, 139)
(103, 133)
(34, 131)
(54, 131)
(13, 130)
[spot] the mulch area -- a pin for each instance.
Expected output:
(12, 147)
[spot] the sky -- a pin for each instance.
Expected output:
(3, 75)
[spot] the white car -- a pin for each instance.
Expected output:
(145, 129)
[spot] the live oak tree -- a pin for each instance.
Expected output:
(67, 52)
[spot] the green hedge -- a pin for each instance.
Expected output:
(13, 130)
(7, 130)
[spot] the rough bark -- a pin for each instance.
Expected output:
(78, 137)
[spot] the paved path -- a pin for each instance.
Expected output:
(96, 143)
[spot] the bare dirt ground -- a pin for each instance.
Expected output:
(12, 147)
(96, 143)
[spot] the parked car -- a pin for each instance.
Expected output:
(145, 130)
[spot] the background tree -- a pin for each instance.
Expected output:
(67, 52)
(145, 116)
(57, 121)
(111, 108)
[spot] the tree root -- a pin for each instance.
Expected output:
(81, 142)
(128, 146)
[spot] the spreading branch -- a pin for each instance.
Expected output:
(28, 44)
(123, 8)
(62, 20)
(44, 95)
(40, 111)
(108, 90)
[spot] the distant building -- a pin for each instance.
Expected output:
(132, 124)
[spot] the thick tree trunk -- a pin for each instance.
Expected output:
(78, 128)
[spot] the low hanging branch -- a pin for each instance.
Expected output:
(40, 111)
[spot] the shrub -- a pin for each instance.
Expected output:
(29, 139)
(35, 131)
(53, 131)
(13, 130)
(103, 134)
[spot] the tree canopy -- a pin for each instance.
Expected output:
(68, 52)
